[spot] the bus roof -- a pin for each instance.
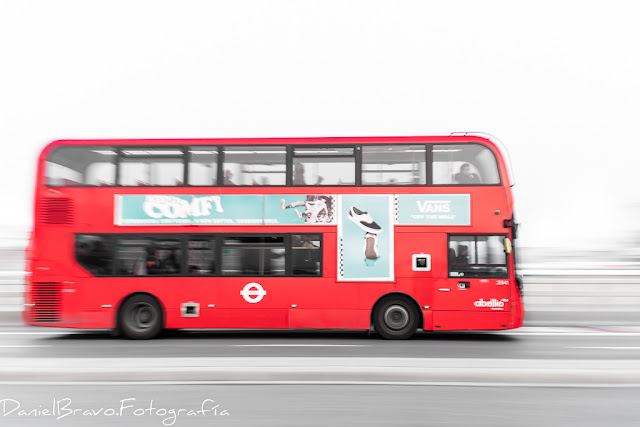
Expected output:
(453, 138)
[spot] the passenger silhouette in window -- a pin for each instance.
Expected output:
(227, 177)
(171, 264)
(153, 262)
(298, 176)
(465, 176)
(463, 255)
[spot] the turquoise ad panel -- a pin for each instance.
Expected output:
(188, 209)
(228, 210)
(365, 238)
(434, 209)
(153, 210)
(292, 209)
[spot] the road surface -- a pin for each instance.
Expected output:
(528, 377)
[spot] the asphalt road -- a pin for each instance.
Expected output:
(582, 376)
(324, 405)
(585, 343)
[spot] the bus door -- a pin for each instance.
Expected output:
(317, 299)
(251, 292)
(478, 277)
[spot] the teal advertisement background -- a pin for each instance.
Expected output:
(188, 209)
(237, 210)
(413, 209)
(165, 209)
(275, 215)
(434, 209)
(352, 261)
(130, 210)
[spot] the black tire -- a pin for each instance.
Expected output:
(396, 318)
(140, 317)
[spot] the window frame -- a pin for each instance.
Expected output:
(506, 264)
(184, 239)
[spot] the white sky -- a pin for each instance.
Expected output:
(557, 81)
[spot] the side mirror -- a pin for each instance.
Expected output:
(507, 245)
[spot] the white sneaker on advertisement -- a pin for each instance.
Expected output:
(363, 220)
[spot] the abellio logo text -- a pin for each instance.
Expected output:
(493, 303)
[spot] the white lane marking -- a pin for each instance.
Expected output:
(37, 333)
(572, 334)
(22, 346)
(610, 348)
(359, 383)
(299, 345)
(526, 331)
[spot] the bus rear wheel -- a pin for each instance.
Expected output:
(396, 318)
(140, 317)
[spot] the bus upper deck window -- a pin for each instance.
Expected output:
(464, 164)
(80, 166)
(203, 165)
(255, 165)
(143, 166)
(324, 166)
(393, 165)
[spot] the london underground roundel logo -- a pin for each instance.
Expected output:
(253, 292)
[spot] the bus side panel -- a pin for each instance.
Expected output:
(244, 318)
(410, 241)
(105, 319)
(329, 319)
(470, 321)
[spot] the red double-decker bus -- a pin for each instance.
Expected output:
(394, 234)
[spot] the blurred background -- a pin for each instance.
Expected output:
(557, 82)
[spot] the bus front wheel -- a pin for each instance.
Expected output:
(140, 317)
(396, 318)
